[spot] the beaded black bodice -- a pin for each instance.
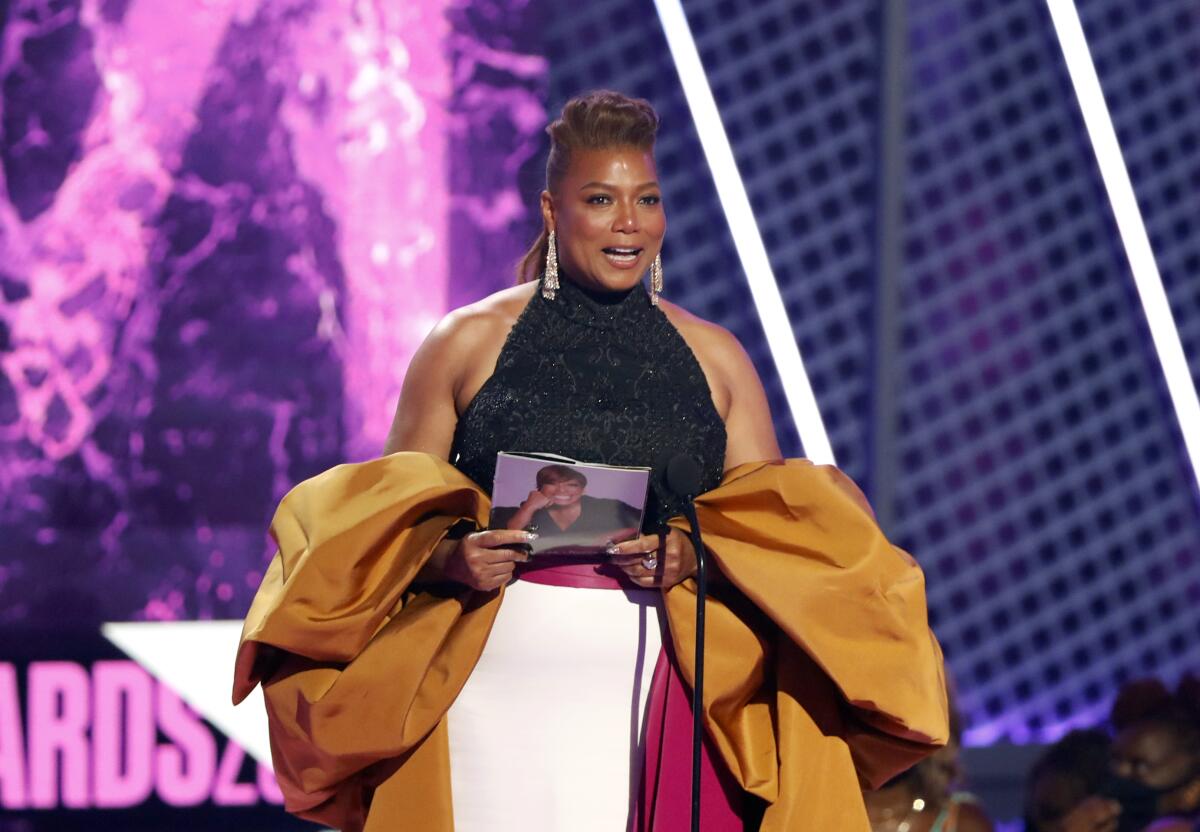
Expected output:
(597, 378)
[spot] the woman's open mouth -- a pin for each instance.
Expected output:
(623, 257)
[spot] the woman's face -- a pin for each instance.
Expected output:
(1154, 756)
(563, 492)
(608, 217)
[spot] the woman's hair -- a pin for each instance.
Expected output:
(559, 473)
(1081, 753)
(1147, 702)
(597, 120)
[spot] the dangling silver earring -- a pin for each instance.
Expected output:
(550, 281)
(656, 278)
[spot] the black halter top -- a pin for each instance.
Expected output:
(595, 377)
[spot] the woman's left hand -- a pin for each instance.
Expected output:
(656, 560)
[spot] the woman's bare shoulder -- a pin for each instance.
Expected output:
(736, 388)
(468, 340)
(683, 319)
(711, 342)
(726, 366)
(449, 367)
(478, 322)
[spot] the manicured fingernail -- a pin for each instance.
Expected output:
(531, 536)
(612, 549)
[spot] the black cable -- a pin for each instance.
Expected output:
(698, 687)
(683, 478)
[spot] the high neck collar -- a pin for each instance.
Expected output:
(598, 308)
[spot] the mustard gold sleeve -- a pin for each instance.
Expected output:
(821, 671)
(357, 669)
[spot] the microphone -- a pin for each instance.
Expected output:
(683, 480)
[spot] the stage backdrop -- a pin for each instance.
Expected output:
(226, 224)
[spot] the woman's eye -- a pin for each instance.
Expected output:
(651, 200)
(598, 199)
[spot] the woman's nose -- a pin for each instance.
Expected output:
(626, 221)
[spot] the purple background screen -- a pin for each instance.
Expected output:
(225, 225)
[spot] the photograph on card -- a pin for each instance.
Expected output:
(575, 508)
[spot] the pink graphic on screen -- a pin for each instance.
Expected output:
(225, 226)
(113, 738)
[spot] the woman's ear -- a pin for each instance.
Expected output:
(548, 211)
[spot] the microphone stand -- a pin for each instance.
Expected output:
(698, 686)
(683, 478)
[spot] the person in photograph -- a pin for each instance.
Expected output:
(416, 678)
(559, 509)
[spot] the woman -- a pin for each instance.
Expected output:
(407, 673)
(604, 227)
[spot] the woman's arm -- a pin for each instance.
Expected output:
(748, 427)
(425, 419)
(425, 415)
(524, 514)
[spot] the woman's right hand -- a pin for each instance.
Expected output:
(486, 560)
(524, 514)
(535, 501)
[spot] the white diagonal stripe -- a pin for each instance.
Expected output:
(195, 660)
(1132, 228)
(746, 237)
